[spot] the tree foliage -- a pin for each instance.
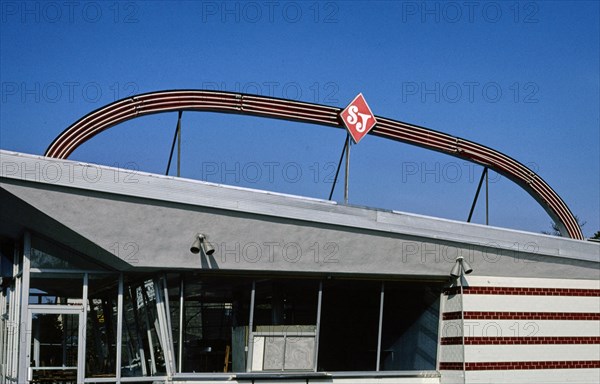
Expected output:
(556, 232)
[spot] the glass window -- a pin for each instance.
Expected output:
(285, 322)
(6, 261)
(7, 304)
(410, 327)
(142, 348)
(215, 323)
(101, 329)
(349, 325)
(285, 302)
(54, 345)
(56, 288)
(49, 255)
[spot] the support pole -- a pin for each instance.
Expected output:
(175, 136)
(348, 143)
(337, 172)
(250, 341)
(318, 329)
(82, 331)
(483, 175)
(380, 329)
(120, 329)
(179, 145)
(181, 314)
(487, 200)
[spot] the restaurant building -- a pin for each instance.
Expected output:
(113, 276)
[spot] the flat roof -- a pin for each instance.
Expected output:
(76, 175)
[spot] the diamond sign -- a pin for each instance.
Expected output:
(358, 118)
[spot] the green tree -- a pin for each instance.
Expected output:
(556, 232)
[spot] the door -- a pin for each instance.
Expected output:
(56, 344)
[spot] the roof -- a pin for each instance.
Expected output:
(78, 178)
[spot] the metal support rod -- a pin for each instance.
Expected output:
(138, 330)
(167, 329)
(24, 320)
(250, 341)
(487, 201)
(173, 144)
(146, 301)
(462, 320)
(348, 143)
(380, 331)
(337, 172)
(119, 328)
(318, 329)
(181, 314)
(483, 175)
(179, 144)
(82, 330)
(36, 344)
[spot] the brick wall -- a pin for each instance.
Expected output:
(520, 330)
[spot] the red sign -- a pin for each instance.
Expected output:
(358, 118)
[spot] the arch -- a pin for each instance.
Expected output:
(237, 103)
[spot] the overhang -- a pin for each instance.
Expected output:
(149, 220)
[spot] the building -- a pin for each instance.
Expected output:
(113, 276)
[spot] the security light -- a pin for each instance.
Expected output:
(466, 267)
(201, 243)
(461, 267)
(455, 270)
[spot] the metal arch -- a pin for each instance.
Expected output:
(227, 102)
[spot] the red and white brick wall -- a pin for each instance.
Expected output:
(517, 330)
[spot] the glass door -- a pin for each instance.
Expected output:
(56, 342)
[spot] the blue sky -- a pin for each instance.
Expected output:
(520, 77)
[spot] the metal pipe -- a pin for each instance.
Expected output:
(82, 326)
(175, 135)
(348, 143)
(138, 331)
(250, 341)
(483, 174)
(23, 340)
(119, 327)
(145, 301)
(337, 172)
(167, 329)
(181, 314)
(318, 330)
(380, 330)
(487, 202)
(179, 144)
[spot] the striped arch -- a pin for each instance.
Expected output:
(227, 102)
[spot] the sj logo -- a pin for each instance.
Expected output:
(353, 119)
(358, 118)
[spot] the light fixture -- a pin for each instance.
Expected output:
(461, 267)
(455, 269)
(201, 243)
(466, 266)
